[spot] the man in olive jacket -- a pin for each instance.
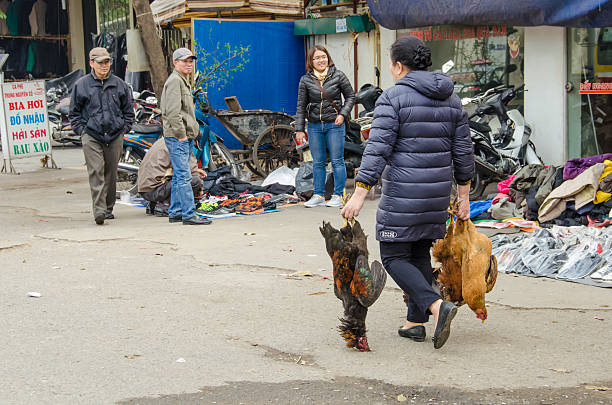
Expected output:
(101, 111)
(180, 130)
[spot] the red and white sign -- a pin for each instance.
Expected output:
(27, 122)
(595, 88)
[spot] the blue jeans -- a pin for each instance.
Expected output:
(181, 198)
(320, 135)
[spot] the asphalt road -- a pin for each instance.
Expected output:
(140, 311)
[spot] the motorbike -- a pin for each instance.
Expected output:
(358, 130)
(58, 105)
(208, 149)
(501, 138)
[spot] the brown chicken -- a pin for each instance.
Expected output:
(355, 283)
(468, 269)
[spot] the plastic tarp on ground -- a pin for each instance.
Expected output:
(398, 14)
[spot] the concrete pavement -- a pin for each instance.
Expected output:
(140, 308)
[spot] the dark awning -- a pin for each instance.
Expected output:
(398, 14)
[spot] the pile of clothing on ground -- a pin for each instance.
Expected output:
(579, 193)
(225, 195)
(579, 254)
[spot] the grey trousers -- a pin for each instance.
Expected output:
(102, 161)
(163, 192)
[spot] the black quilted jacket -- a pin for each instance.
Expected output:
(312, 104)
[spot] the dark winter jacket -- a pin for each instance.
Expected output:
(101, 108)
(312, 104)
(419, 137)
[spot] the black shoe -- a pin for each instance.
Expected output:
(196, 220)
(109, 215)
(160, 212)
(99, 218)
(416, 333)
(150, 210)
(178, 218)
(446, 315)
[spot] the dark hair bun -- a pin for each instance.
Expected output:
(422, 58)
(411, 52)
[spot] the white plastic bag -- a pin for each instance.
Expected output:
(283, 175)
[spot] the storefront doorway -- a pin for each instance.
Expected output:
(589, 101)
(484, 56)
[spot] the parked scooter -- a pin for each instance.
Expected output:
(58, 106)
(501, 138)
(208, 148)
(358, 130)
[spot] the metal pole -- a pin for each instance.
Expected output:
(7, 167)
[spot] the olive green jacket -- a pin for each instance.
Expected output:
(177, 108)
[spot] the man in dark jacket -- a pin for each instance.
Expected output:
(101, 112)
(419, 139)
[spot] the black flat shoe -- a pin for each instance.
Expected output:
(446, 315)
(416, 333)
(178, 218)
(109, 215)
(99, 218)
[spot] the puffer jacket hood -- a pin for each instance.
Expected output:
(434, 85)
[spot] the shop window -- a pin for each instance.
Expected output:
(34, 33)
(484, 56)
(590, 91)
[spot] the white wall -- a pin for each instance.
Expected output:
(387, 38)
(545, 98)
(340, 47)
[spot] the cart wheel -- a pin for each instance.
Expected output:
(250, 164)
(221, 156)
(274, 148)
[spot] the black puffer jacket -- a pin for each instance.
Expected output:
(101, 108)
(312, 104)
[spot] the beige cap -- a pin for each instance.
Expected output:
(99, 54)
(182, 54)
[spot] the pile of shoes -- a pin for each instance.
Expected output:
(247, 204)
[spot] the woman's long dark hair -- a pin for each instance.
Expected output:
(411, 52)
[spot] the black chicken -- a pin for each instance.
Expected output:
(355, 283)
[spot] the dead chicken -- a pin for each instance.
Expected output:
(468, 269)
(356, 283)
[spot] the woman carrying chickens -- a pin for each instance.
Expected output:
(419, 140)
(320, 101)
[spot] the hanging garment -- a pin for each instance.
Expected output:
(37, 18)
(12, 17)
(24, 17)
(4, 6)
(56, 19)
(32, 50)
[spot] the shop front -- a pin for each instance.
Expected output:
(484, 56)
(589, 85)
(35, 35)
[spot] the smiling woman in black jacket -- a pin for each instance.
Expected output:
(320, 101)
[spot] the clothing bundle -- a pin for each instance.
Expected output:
(221, 182)
(579, 193)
